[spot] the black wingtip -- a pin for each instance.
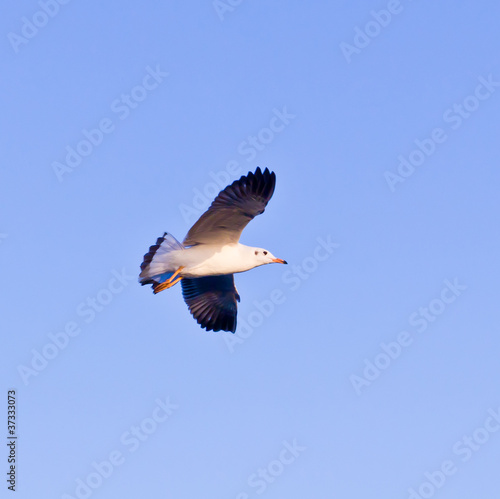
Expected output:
(260, 173)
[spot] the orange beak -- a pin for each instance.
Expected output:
(279, 260)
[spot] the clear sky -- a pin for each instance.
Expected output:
(369, 366)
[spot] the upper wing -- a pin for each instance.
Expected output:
(212, 301)
(232, 209)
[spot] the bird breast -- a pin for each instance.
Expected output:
(204, 259)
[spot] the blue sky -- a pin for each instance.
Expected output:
(366, 368)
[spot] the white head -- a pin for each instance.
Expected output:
(262, 256)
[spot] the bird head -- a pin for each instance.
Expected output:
(262, 257)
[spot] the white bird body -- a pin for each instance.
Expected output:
(211, 259)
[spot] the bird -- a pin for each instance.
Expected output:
(206, 261)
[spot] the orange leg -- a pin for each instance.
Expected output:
(169, 282)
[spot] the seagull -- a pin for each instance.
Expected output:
(211, 253)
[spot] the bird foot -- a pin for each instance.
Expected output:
(169, 282)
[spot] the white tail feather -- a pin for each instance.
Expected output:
(158, 260)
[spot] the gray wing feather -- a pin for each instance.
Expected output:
(232, 209)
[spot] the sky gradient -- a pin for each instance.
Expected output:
(368, 367)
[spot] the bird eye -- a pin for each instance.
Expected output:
(256, 252)
(265, 252)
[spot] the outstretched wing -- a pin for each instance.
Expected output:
(212, 301)
(232, 209)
